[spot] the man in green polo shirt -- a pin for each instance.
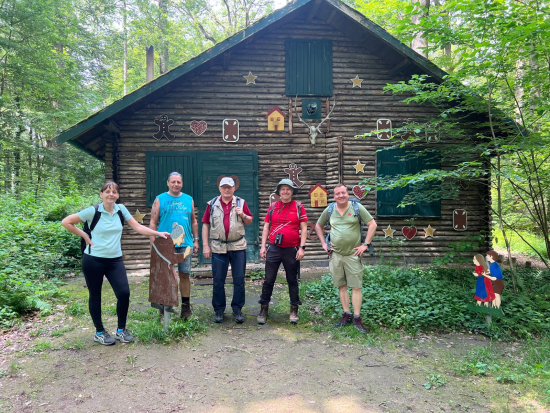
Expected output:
(345, 251)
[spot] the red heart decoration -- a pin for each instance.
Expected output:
(409, 232)
(359, 192)
(198, 127)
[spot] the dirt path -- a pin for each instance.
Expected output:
(238, 368)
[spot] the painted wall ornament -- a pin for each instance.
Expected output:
(381, 133)
(314, 131)
(409, 232)
(198, 127)
(360, 191)
(498, 278)
(460, 220)
(275, 119)
(489, 286)
(230, 130)
(356, 81)
(359, 167)
(274, 198)
(388, 232)
(164, 128)
(138, 216)
(250, 79)
(293, 171)
(429, 232)
(318, 196)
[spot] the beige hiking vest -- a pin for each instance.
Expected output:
(235, 239)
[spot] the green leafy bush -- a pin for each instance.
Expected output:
(435, 299)
(35, 249)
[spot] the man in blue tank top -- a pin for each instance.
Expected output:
(171, 210)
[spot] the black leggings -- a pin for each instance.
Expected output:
(94, 268)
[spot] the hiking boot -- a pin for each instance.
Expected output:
(124, 336)
(294, 314)
(104, 338)
(218, 318)
(358, 324)
(264, 310)
(238, 317)
(346, 319)
(186, 311)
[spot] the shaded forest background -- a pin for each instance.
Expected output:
(60, 61)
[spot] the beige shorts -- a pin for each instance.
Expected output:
(346, 270)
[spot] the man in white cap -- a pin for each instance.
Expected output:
(223, 225)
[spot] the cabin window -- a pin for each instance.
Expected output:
(308, 67)
(402, 161)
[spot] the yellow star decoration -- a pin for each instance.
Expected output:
(388, 232)
(250, 78)
(359, 167)
(429, 232)
(356, 81)
(138, 216)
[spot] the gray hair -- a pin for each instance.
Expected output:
(174, 174)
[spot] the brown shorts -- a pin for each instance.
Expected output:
(498, 286)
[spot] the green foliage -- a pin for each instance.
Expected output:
(146, 327)
(256, 275)
(75, 309)
(35, 250)
(434, 381)
(518, 245)
(435, 299)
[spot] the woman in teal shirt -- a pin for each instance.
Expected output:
(103, 257)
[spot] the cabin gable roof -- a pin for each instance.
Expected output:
(92, 134)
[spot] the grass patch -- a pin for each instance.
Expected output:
(76, 344)
(146, 328)
(435, 299)
(76, 309)
(518, 245)
(60, 331)
(42, 345)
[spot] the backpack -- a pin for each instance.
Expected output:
(213, 201)
(272, 207)
(88, 229)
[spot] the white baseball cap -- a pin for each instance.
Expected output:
(227, 181)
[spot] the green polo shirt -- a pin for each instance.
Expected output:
(345, 230)
(107, 232)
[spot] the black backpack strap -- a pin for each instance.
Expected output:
(119, 212)
(270, 212)
(329, 213)
(95, 219)
(211, 203)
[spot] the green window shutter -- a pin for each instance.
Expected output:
(158, 165)
(308, 67)
(390, 163)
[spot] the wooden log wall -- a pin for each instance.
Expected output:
(217, 94)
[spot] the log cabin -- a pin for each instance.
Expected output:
(207, 118)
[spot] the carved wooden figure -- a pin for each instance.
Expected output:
(164, 128)
(293, 171)
(163, 282)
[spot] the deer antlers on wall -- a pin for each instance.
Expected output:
(314, 129)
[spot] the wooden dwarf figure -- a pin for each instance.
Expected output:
(163, 282)
(484, 288)
(496, 276)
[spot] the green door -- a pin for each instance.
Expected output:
(244, 165)
(200, 172)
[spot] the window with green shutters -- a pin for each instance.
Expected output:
(308, 67)
(399, 162)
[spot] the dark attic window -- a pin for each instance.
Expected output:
(401, 161)
(308, 67)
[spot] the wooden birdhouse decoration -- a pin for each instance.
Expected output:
(275, 119)
(318, 195)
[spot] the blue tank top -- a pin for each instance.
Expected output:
(176, 209)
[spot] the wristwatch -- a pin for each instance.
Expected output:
(195, 239)
(366, 244)
(303, 247)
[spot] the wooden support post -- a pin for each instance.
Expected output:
(290, 116)
(340, 160)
